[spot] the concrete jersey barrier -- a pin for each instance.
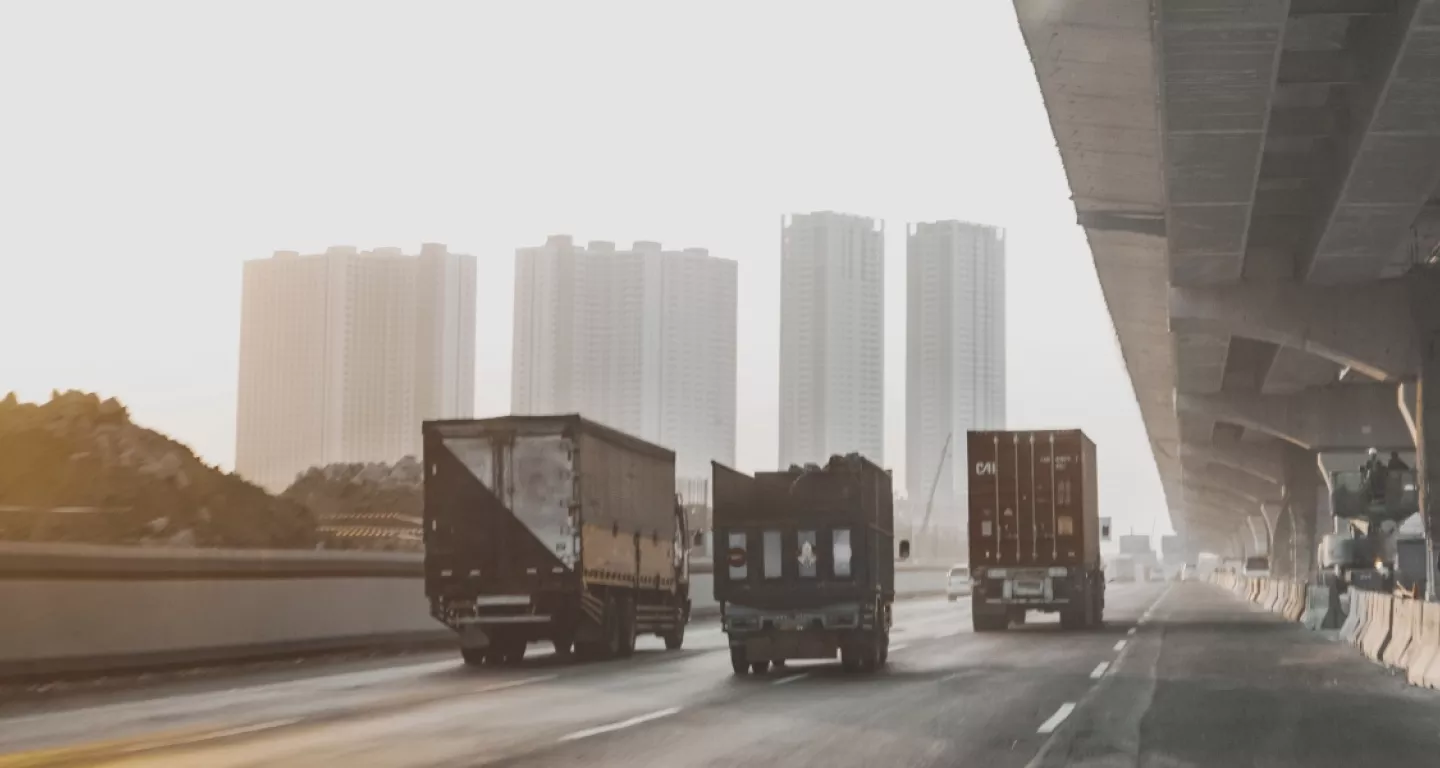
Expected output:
(1426, 667)
(1398, 645)
(1378, 628)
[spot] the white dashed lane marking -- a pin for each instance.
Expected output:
(596, 731)
(1056, 719)
(1099, 670)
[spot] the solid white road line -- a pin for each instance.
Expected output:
(790, 679)
(1099, 671)
(213, 735)
(1056, 719)
(1120, 646)
(596, 731)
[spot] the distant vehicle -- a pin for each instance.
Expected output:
(1257, 567)
(521, 545)
(1120, 569)
(1034, 528)
(805, 564)
(957, 582)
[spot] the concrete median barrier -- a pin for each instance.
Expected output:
(1354, 629)
(1322, 609)
(1295, 606)
(1413, 617)
(1403, 613)
(72, 609)
(1378, 627)
(1426, 669)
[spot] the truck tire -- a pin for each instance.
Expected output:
(760, 667)
(514, 652)
(989, 622)
(850, 658)
(1073, 618)
(675, 637)
(625, 627)
(738, 663)
(473, 657)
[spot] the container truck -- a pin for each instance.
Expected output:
(805, 564)
(552, 528)
(1034, 528)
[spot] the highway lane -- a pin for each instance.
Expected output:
(948, 697)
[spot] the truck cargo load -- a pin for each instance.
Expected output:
(1034, 528)
(805, 563)
(552, 528)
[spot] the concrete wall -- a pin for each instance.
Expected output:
(70, 609)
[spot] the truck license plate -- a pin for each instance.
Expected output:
(1029, 587)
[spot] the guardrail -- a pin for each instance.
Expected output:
(83, 609)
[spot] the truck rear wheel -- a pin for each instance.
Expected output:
(675, 637)
(850, 658)
(625, 627)
(738, 662)
(760, 667)
(514, 652)
(989, 622)
(473, 657)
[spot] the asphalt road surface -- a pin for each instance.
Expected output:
(1182, 675)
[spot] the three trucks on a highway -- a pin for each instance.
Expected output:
(552, 528)
(805, 563)
(1034, 528)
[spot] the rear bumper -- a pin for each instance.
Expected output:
(1035, 588)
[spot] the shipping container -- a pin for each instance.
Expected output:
(552, 528)
(1034, 527)
(805, 563)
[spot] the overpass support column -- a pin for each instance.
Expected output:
(1427, 454)
(1302, 496)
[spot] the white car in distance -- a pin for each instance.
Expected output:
(957, 582)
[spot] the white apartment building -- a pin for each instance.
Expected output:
(955, 354)
(832, 338)
(343, 354)
(642, 340)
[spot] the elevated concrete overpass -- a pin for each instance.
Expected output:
(1259, 182)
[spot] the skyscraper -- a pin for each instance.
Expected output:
(832, 338)
(343, 354)
(642, 340)
(955, 354)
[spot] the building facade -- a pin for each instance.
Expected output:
(955, 355)
(343, 354)
(642, 340)
(832, 338)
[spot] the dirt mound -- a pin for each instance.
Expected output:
(365, 506)
(76, 469)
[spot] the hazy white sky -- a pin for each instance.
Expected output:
(148, 148)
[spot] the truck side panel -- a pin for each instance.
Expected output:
(627, 514)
